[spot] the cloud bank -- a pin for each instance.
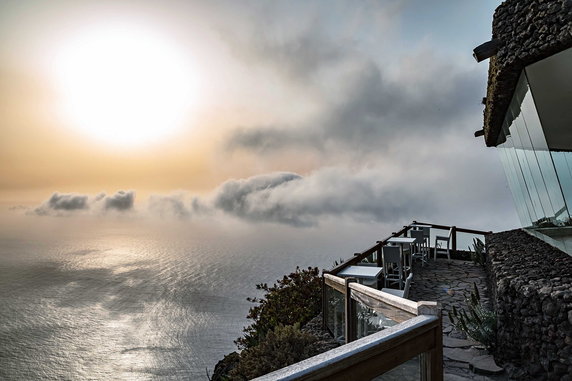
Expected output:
(328, 194)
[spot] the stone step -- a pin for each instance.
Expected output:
(454, 377)
(485, 365)
(458, 354)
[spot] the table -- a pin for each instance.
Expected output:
(367, 272)
(401, 241)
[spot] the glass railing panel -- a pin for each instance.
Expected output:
(335, 313)
(373, 315)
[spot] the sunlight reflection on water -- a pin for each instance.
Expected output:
(138, 302)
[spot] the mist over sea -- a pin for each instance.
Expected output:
(129, 299)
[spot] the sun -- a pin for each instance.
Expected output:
(124, 84)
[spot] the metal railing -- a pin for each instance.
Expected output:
(376, 249)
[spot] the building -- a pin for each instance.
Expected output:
(528, 111)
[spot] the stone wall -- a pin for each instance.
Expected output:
(528, 31)
(531, 288)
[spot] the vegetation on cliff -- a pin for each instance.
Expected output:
(274, 339)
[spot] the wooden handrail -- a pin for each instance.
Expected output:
(461, 230)
(375, 354)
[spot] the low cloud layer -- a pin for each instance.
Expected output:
(72, 203)
(329, 194)
(169, 206)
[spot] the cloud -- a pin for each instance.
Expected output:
(168, 206)
(391, 196)
(291, 199)
(364, 96)
(121, 201)
(71, 203)
(61, 201)
(375, 109)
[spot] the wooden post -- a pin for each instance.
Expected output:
(324, 303)
(436, 355)
(454, 244)
(350, 312)
(432, 361)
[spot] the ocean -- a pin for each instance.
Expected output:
(100, 298)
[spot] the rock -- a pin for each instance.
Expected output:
(549, 308)
(224, 366)
(452, 342)
(458, 354)
(485, 365)
(454, 377)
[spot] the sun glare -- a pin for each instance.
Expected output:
(123, 84)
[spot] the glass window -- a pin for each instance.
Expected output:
(532, 171)
(563, 164)
(539, 148)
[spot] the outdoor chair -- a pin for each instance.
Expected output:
(444, 239)
(401, 293)
(392, 266)
(427, 237)
(418, 249)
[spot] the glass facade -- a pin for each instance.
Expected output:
(533, 147)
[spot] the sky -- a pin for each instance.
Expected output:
(294, 113)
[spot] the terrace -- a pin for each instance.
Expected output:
(400, 331)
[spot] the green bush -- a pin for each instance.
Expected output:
(479, 323)
(294, 299)
(283, 346)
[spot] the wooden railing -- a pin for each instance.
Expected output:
(418, 334)
(358, 257)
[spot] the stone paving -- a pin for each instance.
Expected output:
(448, 283)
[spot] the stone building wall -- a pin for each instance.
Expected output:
(528, 31)
(531, 287)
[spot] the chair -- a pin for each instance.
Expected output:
(445, 239)
(427, 236)
(391, 256)
(418, 250)
(401, 293)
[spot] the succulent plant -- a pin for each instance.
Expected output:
(478, 323)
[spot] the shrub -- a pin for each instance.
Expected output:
(294, 299)
(478, 255)
(479, 323)
(283, 346)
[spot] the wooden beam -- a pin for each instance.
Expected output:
(486, 50)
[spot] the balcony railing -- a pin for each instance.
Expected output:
(385, 334)
(375, 250)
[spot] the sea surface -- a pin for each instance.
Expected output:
(130, 299)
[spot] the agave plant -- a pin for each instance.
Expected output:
(478, 323)
(478, 254)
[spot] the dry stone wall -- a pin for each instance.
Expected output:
(531, 288)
